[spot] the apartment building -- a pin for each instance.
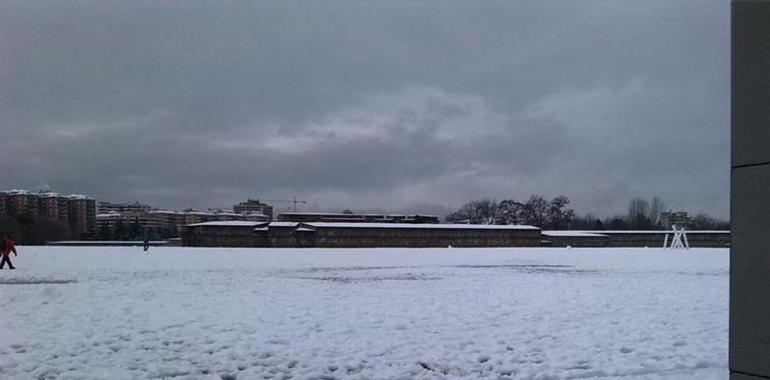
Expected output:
(670, 218)
(123, 208)
(82, 214)
(164, 223)
(20, 202)
(79, 211)
(53, 205)
(254, 206)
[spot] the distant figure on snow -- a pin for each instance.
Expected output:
(146, 243)
(8, 246)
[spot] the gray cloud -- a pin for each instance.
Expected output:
(389, 106)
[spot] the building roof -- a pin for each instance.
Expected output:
(421, 226)
(165, 212)
(79, 196)
(230, 223)
(110, 214)
(567, 233)
(284, 224)
(354, 214)
(609, 232)
(250, 213)
(313, 225)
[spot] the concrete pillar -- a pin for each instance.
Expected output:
(750, 193)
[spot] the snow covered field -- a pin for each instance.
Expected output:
(526, 313)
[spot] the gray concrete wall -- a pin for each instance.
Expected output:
(750, 192)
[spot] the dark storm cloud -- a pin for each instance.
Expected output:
(376, 105)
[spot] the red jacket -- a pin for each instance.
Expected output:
(9, 246)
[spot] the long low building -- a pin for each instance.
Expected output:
(362, 235)
(696, 239)
(309, 217)
(357, 235)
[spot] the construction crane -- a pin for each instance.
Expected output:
(292, 201)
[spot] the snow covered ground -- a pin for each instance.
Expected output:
(525, 313)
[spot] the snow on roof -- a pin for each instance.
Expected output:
(314, 213)
(572, 234)
(344, 214)
(284, 224)
(423, 226)
(102, 242)
(165, 212)
(111, 214)
(249, 213)
(78, 196)
(655, 232)
(231, 223)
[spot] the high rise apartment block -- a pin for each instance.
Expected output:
(254, 206)
(86, 218)
(78, 211)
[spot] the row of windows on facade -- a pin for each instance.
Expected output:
(72, 208)
(92, 215)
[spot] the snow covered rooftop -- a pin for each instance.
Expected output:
(651, 232)
(233, 223)
(78, 196)
(422, 226)
(284, 224)
(572, 234)
(314, 213)
(169, 212)
(111, 214)
(247, 213)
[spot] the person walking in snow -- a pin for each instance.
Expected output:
(8, 246)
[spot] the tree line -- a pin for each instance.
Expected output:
(555, 214)
(32, 229)
(121, 231)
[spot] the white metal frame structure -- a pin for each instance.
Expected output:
(678, 241)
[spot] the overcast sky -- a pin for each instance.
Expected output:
(393, 106)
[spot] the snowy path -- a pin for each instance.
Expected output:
(78, 313)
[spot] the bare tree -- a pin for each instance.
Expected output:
(482, 211)
(536, 211)
(558, 216)
(656, 208)
(705, 222)
(638, 214)
(510, 212)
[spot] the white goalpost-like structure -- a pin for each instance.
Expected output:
(678, 241)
